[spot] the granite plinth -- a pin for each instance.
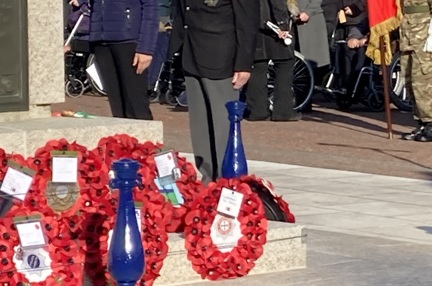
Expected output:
(25, 137)
(285, 250)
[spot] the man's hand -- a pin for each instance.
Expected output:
(74, 3)
(240, 79)
(353, 43)
(141, 62)
(348, 11)
(304, 17)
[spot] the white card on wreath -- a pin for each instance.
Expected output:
(16, 183)
(35, 264)
(230, 202)
(165, 164)
(225, 233)
(64, 169)
(31, 234)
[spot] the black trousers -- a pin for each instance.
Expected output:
(127, 91)
(354, 61)
(257, 92)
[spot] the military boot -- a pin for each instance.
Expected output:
(414, 133)
(426, 134)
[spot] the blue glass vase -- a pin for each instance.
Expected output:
(234, 163)
(126, 254)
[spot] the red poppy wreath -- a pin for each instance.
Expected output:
(266, 191)
(204, 224)
(115, 147)
(58, 263)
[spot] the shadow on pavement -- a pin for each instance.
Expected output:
(334, 119)
(427, 229)
(385, 152)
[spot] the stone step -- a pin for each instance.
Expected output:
(285, 250)
(24, 137)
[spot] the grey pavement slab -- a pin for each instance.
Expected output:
(353, 203)
(336, 259)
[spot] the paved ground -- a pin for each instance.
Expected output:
(326, 138)
(364, 229)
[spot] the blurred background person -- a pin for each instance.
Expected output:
(354, 30)
(271, 46)
(124, 35)
(161, 53)
(312, 39)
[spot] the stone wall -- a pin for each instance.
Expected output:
(46, 60)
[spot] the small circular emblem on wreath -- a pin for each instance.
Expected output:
(225, 225)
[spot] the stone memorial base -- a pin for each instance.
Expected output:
(24, 137)
(285, 250)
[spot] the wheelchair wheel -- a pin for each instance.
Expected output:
(154, 96)
(375, 100)
(399, 95)
(344, 102)
(93, 83)
(74, 88)
(303, 82)
(170, 98)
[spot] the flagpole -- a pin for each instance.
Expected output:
(386, 84)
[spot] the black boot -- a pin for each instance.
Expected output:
(426, 134)
(412, 135)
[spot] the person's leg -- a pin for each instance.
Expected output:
(110, 79)
(422, 93)
(219, 92)
(257, 93)
(407, 73)
(133, 85)
(158, 58)
(283, 101)
(199, 123)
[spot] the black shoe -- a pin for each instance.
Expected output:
(416, 132)
(425, 135)
(296, 117)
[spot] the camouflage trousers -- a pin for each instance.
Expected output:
(418, 86)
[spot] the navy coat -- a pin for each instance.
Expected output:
(125, 21)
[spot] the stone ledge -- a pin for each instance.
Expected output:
(24, 137)
(285, 250)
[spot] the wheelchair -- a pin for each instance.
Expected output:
(170, 84)
(399, 95)
(78, 63)
(302, 84)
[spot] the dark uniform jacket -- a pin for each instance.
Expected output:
(269, 46)
(215, 40)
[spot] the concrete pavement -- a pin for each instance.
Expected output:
(354, 203)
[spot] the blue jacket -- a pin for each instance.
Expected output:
(125, 21)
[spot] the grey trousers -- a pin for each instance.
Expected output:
(209, 124)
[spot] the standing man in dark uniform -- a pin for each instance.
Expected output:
(217, 40)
